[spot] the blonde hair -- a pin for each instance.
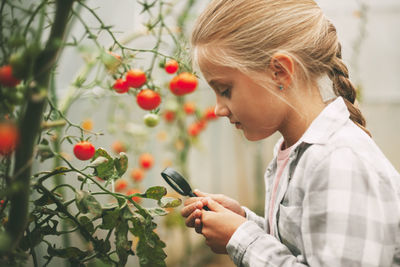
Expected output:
(244, 34)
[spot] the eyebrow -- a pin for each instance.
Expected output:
(216, 82)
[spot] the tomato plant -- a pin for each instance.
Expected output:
(148, 99)
(80, 207)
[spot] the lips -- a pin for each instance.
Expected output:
(237, 124)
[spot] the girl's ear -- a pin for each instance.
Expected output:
(282, 67)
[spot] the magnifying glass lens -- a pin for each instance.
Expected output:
(175, 186)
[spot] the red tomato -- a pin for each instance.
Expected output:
(9, 137)
(209, 113)
(194, 129)
(121, 86)
(120, 185)
(137, 175)
(201, 124)
(148, 99)
(135, 78)
(6, 76)
(173, 86)
(183, 83)
(171, 66)
(187, 82)
(146, 161)
(118, 147)
(189, 108)
(134, 198)
(84, 150)
(169, 116)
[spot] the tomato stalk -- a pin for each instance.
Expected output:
(31, 121)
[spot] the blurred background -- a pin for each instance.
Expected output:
(222, 160)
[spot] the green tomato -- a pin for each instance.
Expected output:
(151, 119)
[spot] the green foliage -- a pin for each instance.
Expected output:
(38, 207)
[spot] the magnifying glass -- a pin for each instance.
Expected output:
(178, 183)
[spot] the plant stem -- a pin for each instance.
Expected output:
(31, 121)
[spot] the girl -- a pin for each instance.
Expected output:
(332, 198)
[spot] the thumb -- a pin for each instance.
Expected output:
(214, 205)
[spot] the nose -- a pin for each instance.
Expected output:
(221, 110)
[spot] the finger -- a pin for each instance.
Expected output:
(191, 200)
(187, 210)
(190, 221)
(214, 205)
(198, 225)
(198, 193)
(220, 198)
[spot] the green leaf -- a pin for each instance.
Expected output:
(43, 201)
(98, 161)
(121, 163)
(157, 212)
(150, 250)
(102, 246)
(86, 222)
(155, 192)
(86, 203)
(106, 169)
(66, 253)
(110, 219)
(123, 246)
(169, 202)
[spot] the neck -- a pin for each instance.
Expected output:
(300, 117)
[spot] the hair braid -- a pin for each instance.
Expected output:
(344, 87)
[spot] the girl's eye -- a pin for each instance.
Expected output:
(226, 92)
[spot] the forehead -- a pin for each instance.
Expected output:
(212, 61)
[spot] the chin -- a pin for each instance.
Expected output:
(253, 137)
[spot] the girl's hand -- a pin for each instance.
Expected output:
(192, 207)
(218, 225)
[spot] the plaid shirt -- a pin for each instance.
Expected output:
(337, 203)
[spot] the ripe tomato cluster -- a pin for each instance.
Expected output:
(196, 127)
(134, 78)
(121, 185)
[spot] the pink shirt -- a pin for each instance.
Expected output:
(282, 160)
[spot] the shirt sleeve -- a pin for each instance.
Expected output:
(252, 216)
(349, 218)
